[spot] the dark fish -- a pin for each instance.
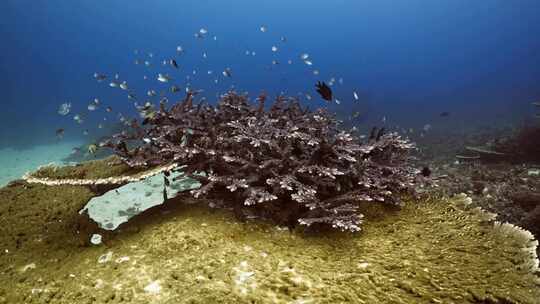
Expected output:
(425, 172)
(173, 63)
(324, 91)
(444, 114)
(60, 133)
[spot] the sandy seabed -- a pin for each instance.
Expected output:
(14, 163)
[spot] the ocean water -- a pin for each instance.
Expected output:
(430, 70)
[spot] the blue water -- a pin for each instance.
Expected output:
(408, 60)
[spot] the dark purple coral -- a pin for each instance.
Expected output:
(287, 162)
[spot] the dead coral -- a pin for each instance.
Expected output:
(287, 162)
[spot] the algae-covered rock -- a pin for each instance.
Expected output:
(431, 251)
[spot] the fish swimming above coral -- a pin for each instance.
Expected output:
(324, 90)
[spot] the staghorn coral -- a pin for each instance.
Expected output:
(286, 163)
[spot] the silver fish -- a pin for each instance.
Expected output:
(163, 78)
(227, 72)
(124, 85)
(64, 109)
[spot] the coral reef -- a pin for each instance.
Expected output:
(286, 163)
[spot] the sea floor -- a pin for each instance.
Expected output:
(430, 251)
(14, 162)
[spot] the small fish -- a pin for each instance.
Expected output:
(124, 85)
(289, 61)
(108, 109)
(426, 172)
(198, 35)
(275, 62)
(147, 63)
(92, 107)
(337, 101)
(274, 48)
(132, 96)
(96, 101)
(179, 49)
(203, 31)
(78, 119)
(215, 38)
(356, 114)
(324, 91)
(383, 120)
(175, 89)
(304, 56)
(355, 95)
(137, 62)
(253, 53)
(116, 76)
(263, 29)
(114, 84)
(283, 39)
(100, 126)
(426, 127)
(92, 149)
(444, 114)
(59, 133)
(173, 63)
(75, 150)
(308, 97)
(210, 72)
(151, 55)
(227, 72)
(204, 55)
(308, 62)
(64, 109)
(151, 93)
(145, 77)
(315, 72)
(163, 78)
(99, 77)
(85, 132)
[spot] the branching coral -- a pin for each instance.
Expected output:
(287, 162)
